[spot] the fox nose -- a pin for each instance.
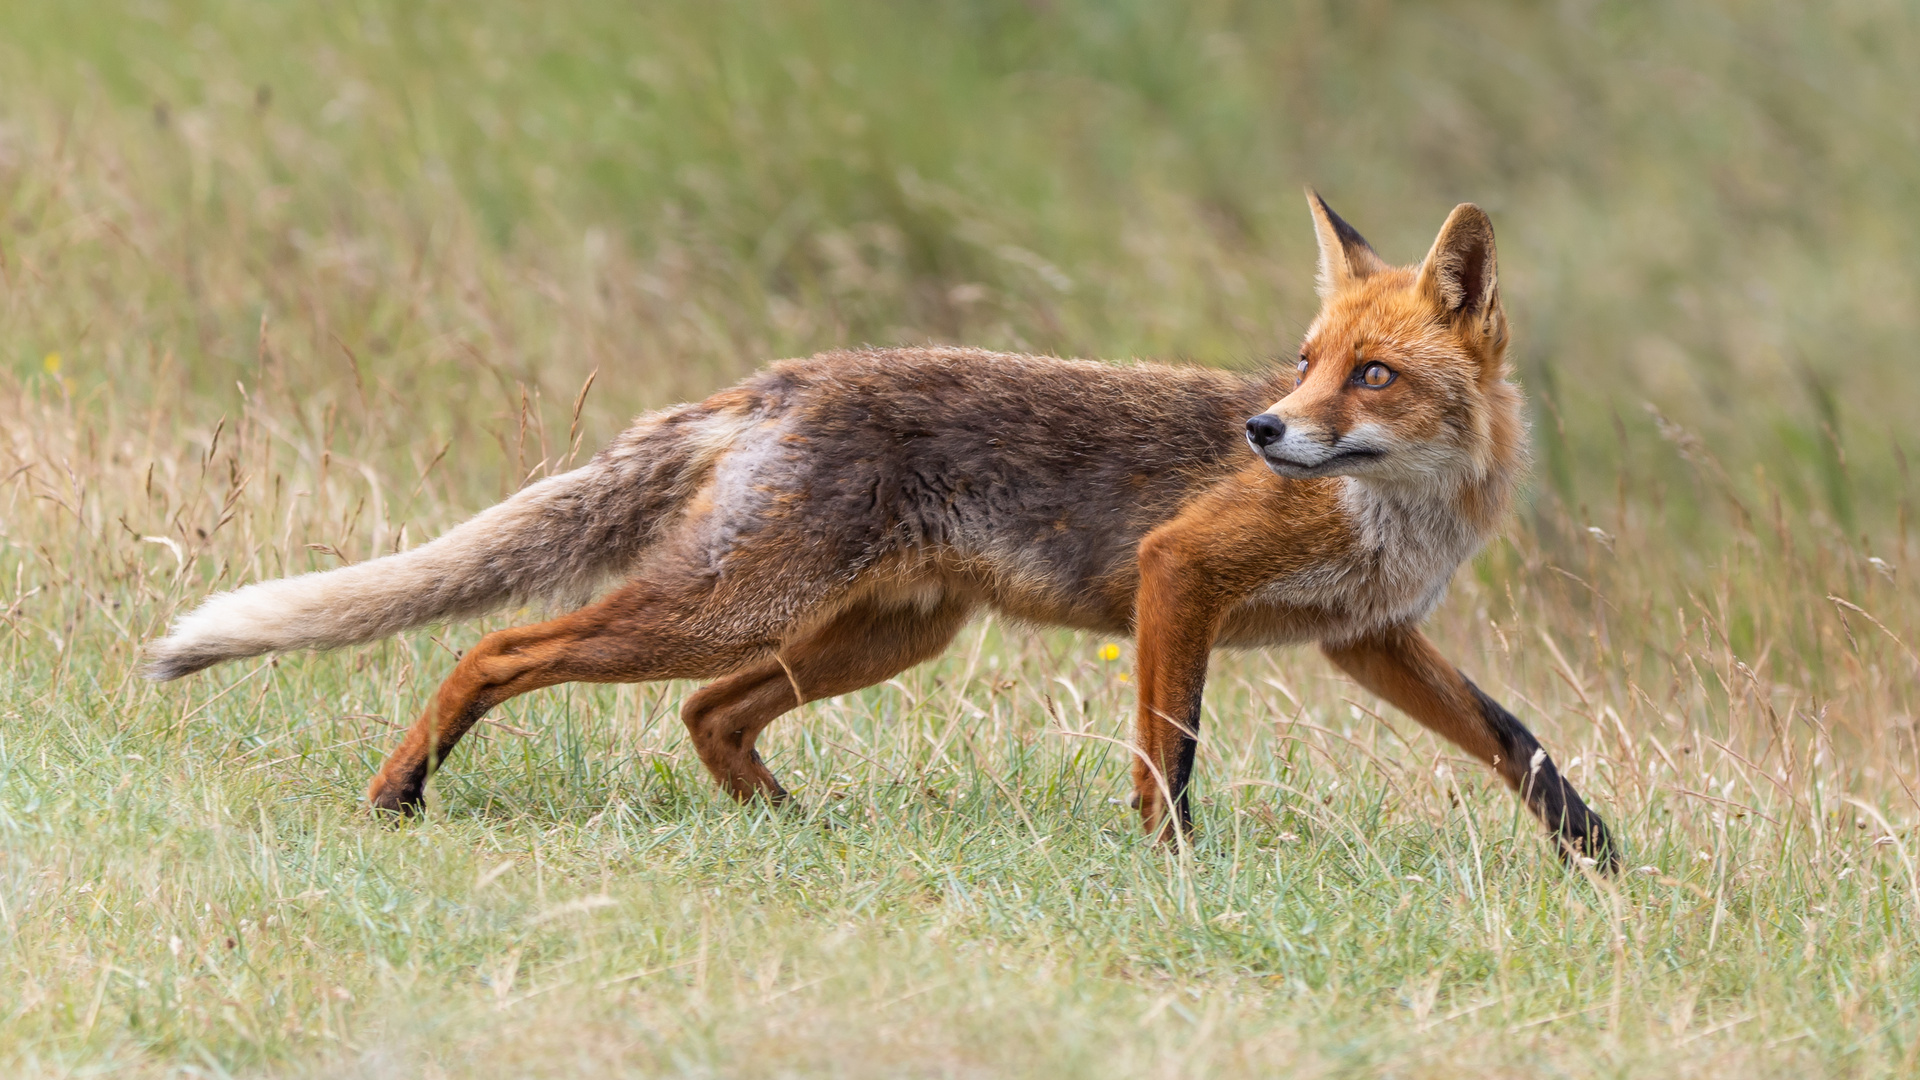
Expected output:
(1265, 429)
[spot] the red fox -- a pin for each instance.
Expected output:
(833, 521)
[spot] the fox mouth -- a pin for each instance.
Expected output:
(1333, 465)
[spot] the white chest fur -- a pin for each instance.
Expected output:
(1406, 547)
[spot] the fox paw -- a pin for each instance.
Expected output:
(396, 799)
(1588, 843)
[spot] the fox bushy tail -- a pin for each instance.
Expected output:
(559, 539)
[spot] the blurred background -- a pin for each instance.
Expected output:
(1707, 212)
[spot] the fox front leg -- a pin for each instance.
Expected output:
(1192, 571)
(1175, 629)
(1405, 668)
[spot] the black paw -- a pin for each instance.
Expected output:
(1585, 841)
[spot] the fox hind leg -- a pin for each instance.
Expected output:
(864, 645)
(640, 633)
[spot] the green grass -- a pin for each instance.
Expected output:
(282, 285)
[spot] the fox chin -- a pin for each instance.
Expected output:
(835, 520)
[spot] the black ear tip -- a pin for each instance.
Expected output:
(1348, 235)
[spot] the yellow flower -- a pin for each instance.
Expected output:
(1109, 652)
(51, 363)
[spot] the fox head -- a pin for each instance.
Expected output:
(1401, 378)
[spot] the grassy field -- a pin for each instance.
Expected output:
(287, 285)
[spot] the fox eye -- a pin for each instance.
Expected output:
(1376, 375)
(1301, 367)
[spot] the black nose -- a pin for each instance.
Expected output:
(1265, 429)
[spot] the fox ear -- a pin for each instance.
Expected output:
(1345, 255)
(1458, 274)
